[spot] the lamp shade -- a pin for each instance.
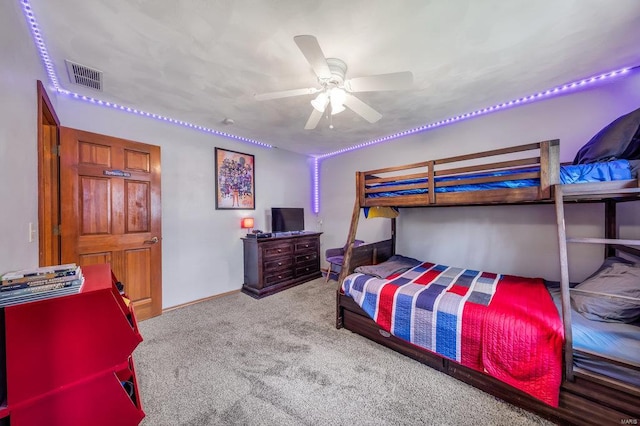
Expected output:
(320, 102)
(338, 97)
(246, 223)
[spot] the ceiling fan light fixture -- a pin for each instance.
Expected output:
(337, 97)
(334, 92)
(337, 109)
(320, 102)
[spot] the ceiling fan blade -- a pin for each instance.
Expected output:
(362, 109)
(313, 120)
(392, 81)
(285, 94)
(311, 50)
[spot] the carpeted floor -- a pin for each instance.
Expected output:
(280, 361)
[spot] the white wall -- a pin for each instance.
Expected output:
(508, 239)
(201, 246)
(19, 69)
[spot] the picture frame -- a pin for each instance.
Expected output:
(235, 180)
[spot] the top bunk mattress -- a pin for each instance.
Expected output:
(569, 174)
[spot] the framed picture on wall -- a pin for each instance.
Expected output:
(235, 180)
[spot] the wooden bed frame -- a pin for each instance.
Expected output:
(543, 156)
(585, 398)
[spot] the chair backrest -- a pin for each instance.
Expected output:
(340, 251)
(356, 243)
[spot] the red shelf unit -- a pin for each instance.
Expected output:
(67, 358)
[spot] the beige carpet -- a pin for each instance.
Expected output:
(280, 360)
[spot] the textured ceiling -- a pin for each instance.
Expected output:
(201, 61)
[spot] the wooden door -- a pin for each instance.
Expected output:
(110, 207)
(48, 181)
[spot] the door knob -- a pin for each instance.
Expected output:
(152, 241)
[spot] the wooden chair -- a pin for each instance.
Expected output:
(335, 257)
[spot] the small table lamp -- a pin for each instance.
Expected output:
(246, 223)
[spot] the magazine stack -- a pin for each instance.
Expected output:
(29, 285)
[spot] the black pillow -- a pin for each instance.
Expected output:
(619, 140)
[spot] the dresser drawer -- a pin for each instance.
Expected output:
(306, 245)
(301, 258)
(276, 249)
(307, 269)
(278, 263)
(276, 277)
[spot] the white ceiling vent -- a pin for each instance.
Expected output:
(84, 76)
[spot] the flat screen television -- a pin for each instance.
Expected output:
(287, 219)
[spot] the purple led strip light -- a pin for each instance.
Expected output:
(316, 185)
(161, 118)
(38, 40)
(516, 102)
(44, 55)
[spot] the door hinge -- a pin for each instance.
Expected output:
(56, 150)
(56, 230)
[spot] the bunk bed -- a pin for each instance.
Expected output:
(572, 380)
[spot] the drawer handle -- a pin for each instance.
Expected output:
(384, 333)
(307, 245)
(308, 257)
(279, 250)
(279, 263)
(279, 276)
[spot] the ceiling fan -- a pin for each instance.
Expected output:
(334, 91)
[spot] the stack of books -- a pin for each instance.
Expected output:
(28, 285)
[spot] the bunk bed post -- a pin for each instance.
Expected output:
(564, 283)
(360, 188)
(610, 226)
(431, 182)
(393, 235)
(549, 166)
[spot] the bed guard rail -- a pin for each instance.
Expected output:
(421, 184)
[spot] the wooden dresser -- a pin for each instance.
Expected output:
(275, 264)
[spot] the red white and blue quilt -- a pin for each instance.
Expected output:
(503, 325)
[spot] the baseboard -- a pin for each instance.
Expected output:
(184, 305)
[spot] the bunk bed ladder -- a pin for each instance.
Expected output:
(351, 238)
(591, 192)
(564, 283)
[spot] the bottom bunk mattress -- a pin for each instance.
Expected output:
(502, 325)
(616, 340)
